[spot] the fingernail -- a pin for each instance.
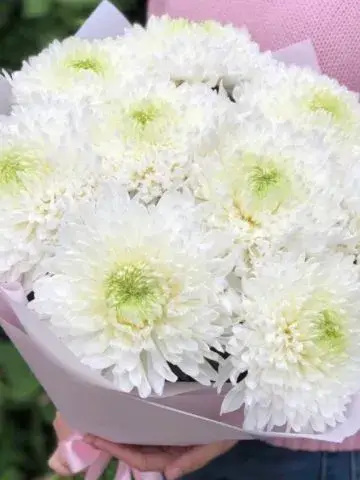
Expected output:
(173, 474)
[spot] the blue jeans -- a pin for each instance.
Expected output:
(255, 460)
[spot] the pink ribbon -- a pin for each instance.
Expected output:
(80, 456)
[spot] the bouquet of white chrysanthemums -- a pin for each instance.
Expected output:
(181, 204)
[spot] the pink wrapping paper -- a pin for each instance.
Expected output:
(89, 402)
(188, 414)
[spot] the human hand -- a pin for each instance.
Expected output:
(56, 462)
(173, 462)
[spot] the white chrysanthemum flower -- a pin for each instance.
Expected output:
(298, 340)
(133, 290)
(308, 101)
(75, 68)
(271, 187)
(346, 180)
(39, 181)
(197, 52)
(149, 138)
(48, 124)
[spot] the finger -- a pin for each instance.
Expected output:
(63, 431)
(134, 456)
(58, 465)
(196, 458)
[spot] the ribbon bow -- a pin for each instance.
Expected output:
(80, 456)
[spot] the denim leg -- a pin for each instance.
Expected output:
(255, 460)
(337, 466)
(354, 465)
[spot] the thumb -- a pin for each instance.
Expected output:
(196, 458)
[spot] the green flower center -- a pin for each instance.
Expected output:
(90, 64)
(10, 168)
(145, 115)
(330, 331)
(146, 122)
(327, 102)
(319, 327)
(258, 185)
(264, 178)
(209, 26)
(135, 293)
(178, 24)
(16, 165)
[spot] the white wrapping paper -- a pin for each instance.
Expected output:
(301, 54)
(105, 21)
(5, 96)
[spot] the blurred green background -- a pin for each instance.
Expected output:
(26, 437)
